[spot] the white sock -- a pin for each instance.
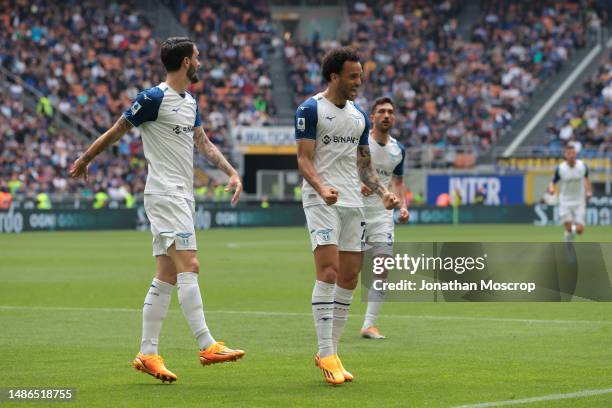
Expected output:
(375, 301)
(323, 313)
(191, 302)
(568, 236)
(342, 303)
(154, 311)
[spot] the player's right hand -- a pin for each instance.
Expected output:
(329, 195)
(79, 169)
(365, 190)
(390, 200)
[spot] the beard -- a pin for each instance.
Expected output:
(191, 74)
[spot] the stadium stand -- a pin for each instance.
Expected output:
(90, 59)
(587, 119)
(35, 157)
(453, 96)
(234, 42)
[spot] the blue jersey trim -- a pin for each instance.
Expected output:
(306, 119)
(198, 119)
(146, 107)
(399, 169)
(557, 176)
(363, 140)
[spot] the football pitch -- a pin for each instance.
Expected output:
(70, 316)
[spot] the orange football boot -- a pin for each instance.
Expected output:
(348, 377)
(219, 353)
(371, 333)
(153, 364)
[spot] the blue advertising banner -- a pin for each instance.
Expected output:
(497, 190)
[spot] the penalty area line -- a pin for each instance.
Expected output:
(550, 397)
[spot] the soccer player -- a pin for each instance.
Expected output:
(170, 125)
(333, 156)
(574, 190)
(388, 161)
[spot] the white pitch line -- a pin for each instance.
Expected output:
(551, 397)
(293, 314)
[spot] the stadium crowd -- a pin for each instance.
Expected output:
(451, 93)
(35, 156)
(234, 41)
(89, 59)
(586, 120)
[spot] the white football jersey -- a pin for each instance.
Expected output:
(166, 120)
(571, 182)
(387, 160)
(337, 131)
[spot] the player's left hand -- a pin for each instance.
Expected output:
(235, 184)
(390, 200)
(404, 215)
(79, 169)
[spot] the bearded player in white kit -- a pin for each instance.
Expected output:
(170, 124)
(388, 160)
(333, 156)
(575, 189)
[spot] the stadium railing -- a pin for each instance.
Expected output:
(33, 96)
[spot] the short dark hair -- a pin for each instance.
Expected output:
(382, 100)
(334, 60)
(174, 50)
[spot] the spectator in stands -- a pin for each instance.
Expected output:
(453, 95)
(586, 120)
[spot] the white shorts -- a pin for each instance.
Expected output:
(334, 225)
(572, 213)
(379, 230)
(171, 219)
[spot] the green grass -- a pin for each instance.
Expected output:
(432, 357)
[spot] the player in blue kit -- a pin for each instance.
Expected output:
(334, 157)
(170, 124)
(388, 161)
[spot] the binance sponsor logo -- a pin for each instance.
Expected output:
(178, 129)
(327, 139)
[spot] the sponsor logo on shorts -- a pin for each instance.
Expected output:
(324, 234)
(184, 236)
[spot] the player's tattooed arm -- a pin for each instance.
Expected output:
(112, 135)
(214, 156)
(370, 179)
(366, 172)
(211, 152)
